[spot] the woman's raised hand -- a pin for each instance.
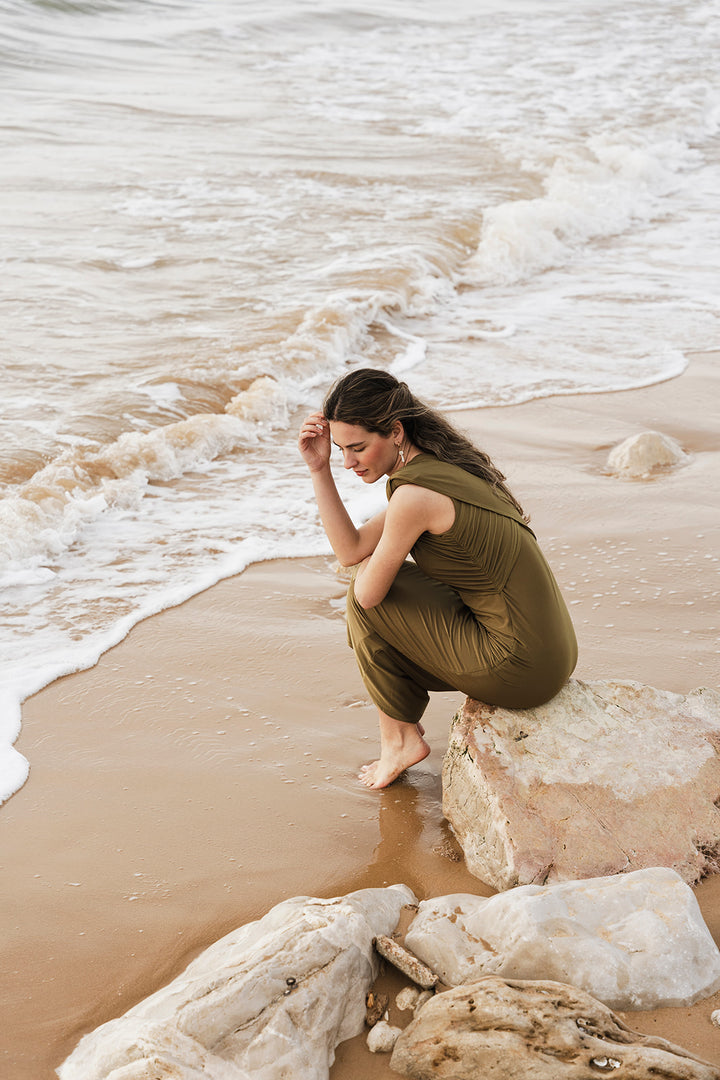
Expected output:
(314, 442)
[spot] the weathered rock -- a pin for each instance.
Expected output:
(605, 778)
(273, 998)
(404, 961)
(634, 941)
(503, 1030)
(641, 455)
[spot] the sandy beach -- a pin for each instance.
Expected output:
(205, 768)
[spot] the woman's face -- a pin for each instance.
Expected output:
(367, 453)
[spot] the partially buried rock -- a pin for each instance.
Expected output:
(404, 961)
(382, 1037)
(271, 999)
(407, 998)
(605, 778)
(634, 941)
(499, 1029)
(640, 456)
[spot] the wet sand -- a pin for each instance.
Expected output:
(205, 768)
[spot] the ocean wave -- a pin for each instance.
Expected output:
(611, 188)
(43, 517)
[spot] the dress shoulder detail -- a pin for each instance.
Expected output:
(425, 470)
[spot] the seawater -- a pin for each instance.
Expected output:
(213, 208)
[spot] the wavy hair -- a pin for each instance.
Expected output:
(375, 400)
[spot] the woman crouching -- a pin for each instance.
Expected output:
(477, 610)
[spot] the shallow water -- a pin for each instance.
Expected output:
(212, 209)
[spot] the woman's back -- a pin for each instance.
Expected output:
(492, 560)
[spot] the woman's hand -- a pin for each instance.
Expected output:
(314, 442)
(349, 543)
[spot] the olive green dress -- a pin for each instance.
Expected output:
(477, 611)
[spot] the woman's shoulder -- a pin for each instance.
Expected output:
(426, 470)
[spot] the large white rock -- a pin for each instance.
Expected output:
(634, 941)
(270, 1000)
(605, 778)
(499, 1029)
(640, 456)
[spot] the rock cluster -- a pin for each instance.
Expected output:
(274, 998)
(607, 777)
(615, 784)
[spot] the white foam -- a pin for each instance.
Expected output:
(413, 354)
(165, 393)
(28, 576)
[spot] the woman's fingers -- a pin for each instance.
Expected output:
(315, 427)
(310, 433)
(314, 424)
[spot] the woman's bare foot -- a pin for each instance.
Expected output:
(381, 773)
(401, 745)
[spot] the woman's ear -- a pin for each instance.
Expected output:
(398, 431)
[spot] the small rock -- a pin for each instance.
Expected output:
(404, 961)
(407, 998)
(641, 455)
(382, 1037)
(499, 1029)
(715, 1017)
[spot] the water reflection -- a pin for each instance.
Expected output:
(416, 845)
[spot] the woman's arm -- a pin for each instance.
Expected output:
(411, 511)
(350, 544)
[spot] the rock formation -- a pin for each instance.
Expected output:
(607, 777)
(271, 999)
(639, 456)
(499, 1029)
(633, 941)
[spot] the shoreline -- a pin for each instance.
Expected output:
(205, 768)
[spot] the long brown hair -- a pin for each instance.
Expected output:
(375, 400)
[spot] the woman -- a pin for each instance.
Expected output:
(477, 611)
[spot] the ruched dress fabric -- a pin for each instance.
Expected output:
(478, 610)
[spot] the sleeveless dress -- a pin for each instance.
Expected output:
(478, 610)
